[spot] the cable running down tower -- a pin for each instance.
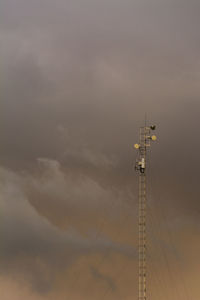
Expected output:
(140, 166)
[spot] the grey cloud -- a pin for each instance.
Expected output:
(84, 78)
(77, 78)
(34, 248)
(81, 191)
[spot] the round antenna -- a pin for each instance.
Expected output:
(137, 146)
(154, 138)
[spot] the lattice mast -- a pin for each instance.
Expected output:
(140, 166)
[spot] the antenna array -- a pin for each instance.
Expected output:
(140, 166)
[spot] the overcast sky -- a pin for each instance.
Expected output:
(77, 78)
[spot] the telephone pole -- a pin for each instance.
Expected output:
(140, 166)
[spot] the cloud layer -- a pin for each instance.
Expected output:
(76, 80)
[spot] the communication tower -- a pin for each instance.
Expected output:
(144, 143)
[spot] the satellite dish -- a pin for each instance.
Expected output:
(154, 138)
(137, 146)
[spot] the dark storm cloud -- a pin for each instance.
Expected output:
(83, 67)
(76, 80)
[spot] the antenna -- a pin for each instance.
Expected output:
(140, 166)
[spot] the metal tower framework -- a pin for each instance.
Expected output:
(145, 142)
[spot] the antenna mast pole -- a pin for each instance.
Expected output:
(145, 142)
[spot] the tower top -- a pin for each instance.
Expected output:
(145, 141)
